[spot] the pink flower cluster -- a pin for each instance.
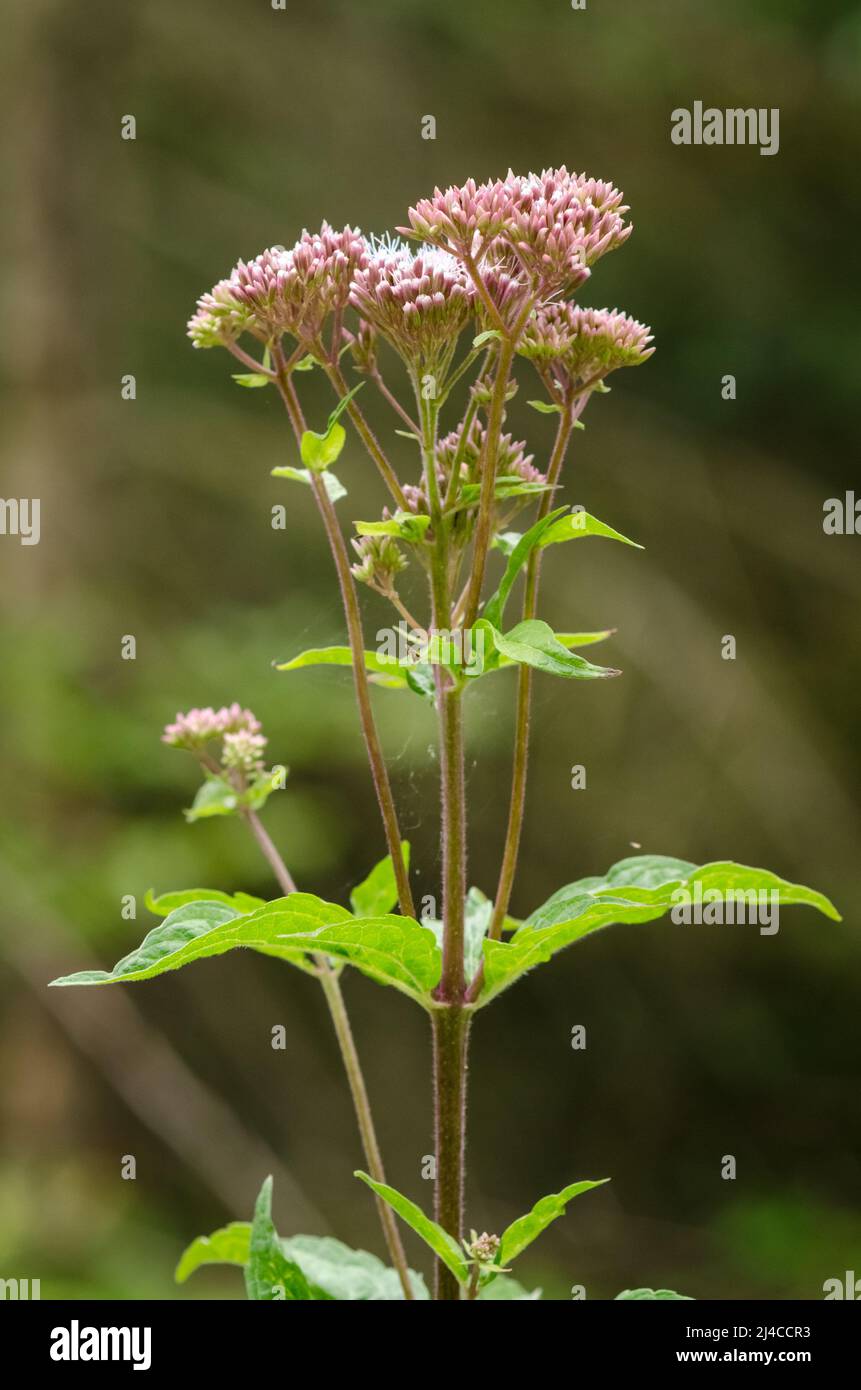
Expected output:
(198, 727)
(419, 302)
(282, 291)
(542, 233)
(581, 345)
(243, 750)
(498, 251)
(512, 462)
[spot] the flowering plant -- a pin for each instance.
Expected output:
(481, 287)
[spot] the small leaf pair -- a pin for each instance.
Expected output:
(218, 797)
(513, 1242)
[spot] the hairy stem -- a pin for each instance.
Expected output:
(449, 702)
(450, 1022)
(379, 771)
(273, 858)
(335, 1000)
(488, 481)
(387, 395)
(450, 1055)
(338, 1011)
(517, 803)
(369, 439)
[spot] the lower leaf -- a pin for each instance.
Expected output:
(269, 1275)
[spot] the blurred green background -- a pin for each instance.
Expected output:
(252, 123)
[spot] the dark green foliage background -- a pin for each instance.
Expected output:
(155, 521)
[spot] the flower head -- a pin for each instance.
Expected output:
(243, 750)
(282, 291)
(467, 455)
(536, 235)
(220, 318)
(558, 225)
(482, 1248)
(511, 457)
(380, 559)
(363, 347)
(460, 220)
(199, 727)
(580, 345)
(420, 301)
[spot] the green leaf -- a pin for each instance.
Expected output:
(231, 1245)
(567, 639)
(406, 526)
(505, 541)
(328, 1265)
(527, 1228)
(215, 797)
(262, 787)
(495, 606)
(636, 890)
(342, 405)
(534, 643)
(269, 1275)
(488, 336)
(166, 903)
(348, 1275)
(559, 525)
(420, 679)
(391, 950)
(378, 893)
(253, 380)
(335, 489)
(320, 450)
(384, 670)
(579, 523)
(306, 363)
(506, 485)
(203, 929)
(655, 1293)
(441, 1243)
(546, 407)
